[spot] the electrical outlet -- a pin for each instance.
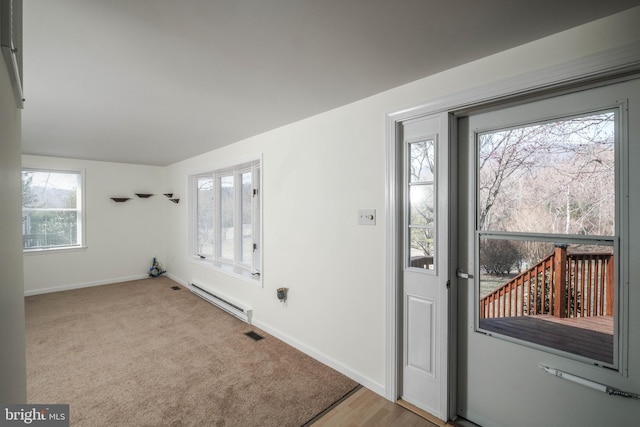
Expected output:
(366, 217)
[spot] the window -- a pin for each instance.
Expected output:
(226, 231)
(421, 189)
(52, 214)
(547, 233)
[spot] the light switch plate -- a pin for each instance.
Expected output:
(366, 217)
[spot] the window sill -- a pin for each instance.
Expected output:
(231, 270)
(41, 251)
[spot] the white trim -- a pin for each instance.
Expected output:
(86, 284)
(176, 279)
(41, 251)
(610, 63)
(599, 65)
(322, 358)
(392, 264)
(229, 269)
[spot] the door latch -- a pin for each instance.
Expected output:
(462, 275)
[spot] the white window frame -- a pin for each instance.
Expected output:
(238, 267)
(80, 209)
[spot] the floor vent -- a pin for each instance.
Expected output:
(175, 288)
(223, 302)
(254, 336)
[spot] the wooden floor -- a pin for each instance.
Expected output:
(366, 408)
(590, 337)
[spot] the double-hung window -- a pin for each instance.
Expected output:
(52, 215)
(227, 219)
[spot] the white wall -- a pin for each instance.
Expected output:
(13, 382)
(317, 173)
(122, 238)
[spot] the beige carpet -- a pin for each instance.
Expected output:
(141, 354)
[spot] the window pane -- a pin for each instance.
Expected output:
(421, 206)
(50, 190)
(421, 248)
(50, 228)
(204, 194)
(247, 227)
(226, 217)
(422, 161)
(556, 295)
(556, 177)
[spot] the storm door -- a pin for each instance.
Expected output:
(543, 234)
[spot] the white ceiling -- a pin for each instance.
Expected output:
(159, 81)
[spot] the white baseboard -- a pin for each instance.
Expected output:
(178, 280)
(85, 285)
(311, 352)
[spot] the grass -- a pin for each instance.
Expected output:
(489, 283)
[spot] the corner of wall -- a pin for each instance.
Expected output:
(13, 387)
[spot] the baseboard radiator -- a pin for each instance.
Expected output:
(234, 308)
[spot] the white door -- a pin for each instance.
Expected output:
(425, 263)
(545, 195)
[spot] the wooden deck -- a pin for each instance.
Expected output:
(590, 337)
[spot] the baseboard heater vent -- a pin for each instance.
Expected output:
(254, 336)
(240, 311)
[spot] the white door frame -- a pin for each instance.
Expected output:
(607, 64)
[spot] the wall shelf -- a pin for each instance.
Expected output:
(144, 196)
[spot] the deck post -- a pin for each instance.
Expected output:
(560, 280)
(609, 287)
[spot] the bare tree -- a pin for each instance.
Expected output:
(555, 177)
(422, 169)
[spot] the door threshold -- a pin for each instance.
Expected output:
(422, 413)
(462, 422)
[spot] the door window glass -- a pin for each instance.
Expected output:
(422, 207)
(546, 221)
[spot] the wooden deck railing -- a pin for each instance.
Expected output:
(562, 284)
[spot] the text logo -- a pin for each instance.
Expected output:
(34, 415)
